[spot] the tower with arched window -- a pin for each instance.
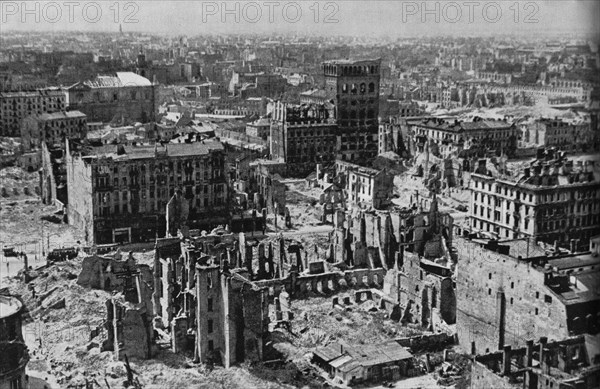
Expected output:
(355, 87)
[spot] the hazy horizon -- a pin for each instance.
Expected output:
(336, 18)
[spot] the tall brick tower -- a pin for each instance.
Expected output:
(355, 85)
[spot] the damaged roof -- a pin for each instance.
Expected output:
(347, 358)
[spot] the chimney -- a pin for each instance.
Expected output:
(529, 353)
(506, 360)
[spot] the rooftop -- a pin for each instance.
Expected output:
(315, 93)
(346, 358)
(351, 61)
(150, 151)
(459, 126)
(61, 115)
(121, 79)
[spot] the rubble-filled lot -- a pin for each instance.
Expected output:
(17, 184)
(316, 323)
(61, 315)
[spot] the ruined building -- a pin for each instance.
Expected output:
(53, 175)
(266, 184)
(373, 238)
(212, 311)
(572, 363)
(415, 247)
(354, 87)
(217, 293)
(424, 290)
(450, 137)
(303, 136)
(13, 351)
(128, 329)
(16, 106)
(553, 200)
(512, 291)
(53, 129)
(118, 193)
(365, 187)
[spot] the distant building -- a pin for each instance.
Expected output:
(559, 134)
(125, 95)
(258, 84)
(53, 128)
(119, 193)
(315, 96)
(16, 106)
(449, 137)
(266, 180)
(552, 201)
(366, 187)
(495, 77)
(260, 128)
(390, 136)
(355, 87)
(30, 161)
(303, 136)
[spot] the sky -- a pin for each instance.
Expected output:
(375, 18)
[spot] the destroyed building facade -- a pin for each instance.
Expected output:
(16, 106)
(53, 129)
(212, 311)
(365, 187)
(303, 136)
(506, 297)
(119, 193)
(572, 363)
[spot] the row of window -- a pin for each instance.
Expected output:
(362, 88)
(162, 193)
(119, 209)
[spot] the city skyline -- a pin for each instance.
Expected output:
(408, 19)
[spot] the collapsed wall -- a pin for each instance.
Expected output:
(129, 330)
